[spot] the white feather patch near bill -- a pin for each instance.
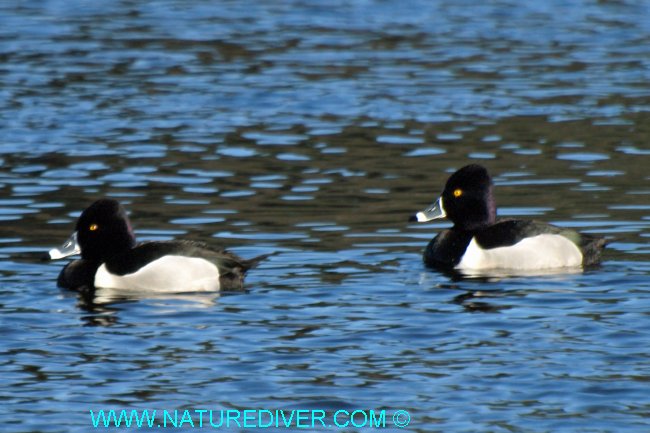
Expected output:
(544, 251)
(167, 274)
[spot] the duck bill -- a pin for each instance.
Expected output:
(433, 212)
(69, 248)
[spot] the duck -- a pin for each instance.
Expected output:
(112, 259)
(479, 242)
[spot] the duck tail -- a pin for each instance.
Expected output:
(592, 250)
(252, 263)
(233, 280)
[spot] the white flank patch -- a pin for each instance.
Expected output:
(167, 274)
(544, 251)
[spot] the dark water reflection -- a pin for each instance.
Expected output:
(313, 131)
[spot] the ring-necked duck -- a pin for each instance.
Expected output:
(478, 242)
(110, 258)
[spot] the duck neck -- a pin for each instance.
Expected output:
(471, 227)
(481, 217)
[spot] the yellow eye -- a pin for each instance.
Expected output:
(458, 192)
(93, 227)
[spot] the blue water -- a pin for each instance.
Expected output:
(313, 130)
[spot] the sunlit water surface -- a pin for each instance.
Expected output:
(313, 130)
